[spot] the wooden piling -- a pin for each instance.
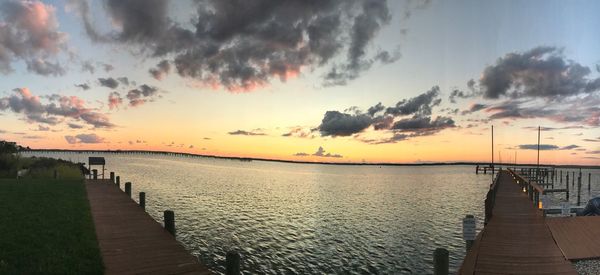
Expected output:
(112, 177)
(55, 174)
(169, 219)
(560, 176)
(233, 261)
(95, 174)
(118, 181)
(440, 261)
(128, 188)
(143, 200)
(589, 182)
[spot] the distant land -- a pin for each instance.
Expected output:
(308, 162)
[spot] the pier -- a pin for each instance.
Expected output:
(516, 238)
(130, 241)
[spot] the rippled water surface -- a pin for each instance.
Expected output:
(308, 218)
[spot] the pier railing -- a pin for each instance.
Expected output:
(490, 199)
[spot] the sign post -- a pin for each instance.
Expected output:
(469, 231)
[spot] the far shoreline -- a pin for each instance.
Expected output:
(457, 163)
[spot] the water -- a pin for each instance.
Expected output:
(308, 218)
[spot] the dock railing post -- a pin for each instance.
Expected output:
(112, 177)
(169, 219)
(579, 190)
(232, 261)
(128, 188)
(143, 200)
(95, 174)
(440, 261)
(118, 181)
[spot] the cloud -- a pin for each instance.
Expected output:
(298, 132)
(570, 147)
(45, 67)
(58, 107)
(107, 67)
(114, 100)
(108, 82)
(455, 94)
(408, 118)
(123, 80)
(240, 45)
(246, 133)
(540, 72)
(83, 86)
(87, 66)
(335, 123)
(29, 32)
(43, 128)
(319, 153)
(535, 147)
(423, 124)
(162, 69)
(74, 126)
(141, 95)
(475, 107)
(420, 105)
(84, 138)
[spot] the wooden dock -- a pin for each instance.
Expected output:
(130, 241)
(516, 239)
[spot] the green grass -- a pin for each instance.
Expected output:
(46, 228)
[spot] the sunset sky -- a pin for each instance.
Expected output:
(330, 80)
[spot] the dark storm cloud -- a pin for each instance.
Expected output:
(244, 44)
(340, 124)
(407, 119)
(420, 105)
(540, 72)
(57, 109)
(84, 138)
(83, 86)
(143, 94)
(423, 124)
(29, 32)
(162, 69)
(246, 133)
(535, 147)
(108, 82)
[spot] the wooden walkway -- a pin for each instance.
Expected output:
(516, 240)
(131, 242)
(577, 237)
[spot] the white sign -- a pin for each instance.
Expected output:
(565, 208)
(469, 230)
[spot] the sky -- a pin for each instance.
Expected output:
(327, 81)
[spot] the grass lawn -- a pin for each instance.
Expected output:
(46, 228)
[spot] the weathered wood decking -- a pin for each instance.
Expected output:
(577, 237)
(131, 242)
(516, 240)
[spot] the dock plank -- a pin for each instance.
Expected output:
(130, 241)
(577, 237)
(516, 240)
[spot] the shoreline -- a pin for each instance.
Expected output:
(311, 162)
